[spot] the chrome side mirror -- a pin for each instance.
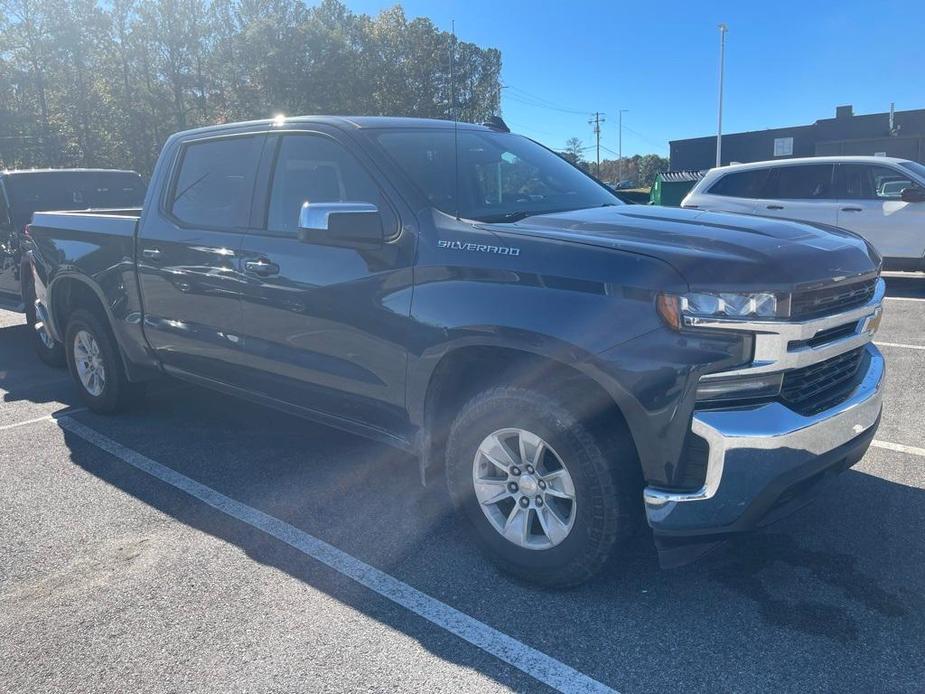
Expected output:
(340, 224)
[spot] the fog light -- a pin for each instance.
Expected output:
(739, 387)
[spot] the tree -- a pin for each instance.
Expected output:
(104, 82)
(574, 150)
(650, 166)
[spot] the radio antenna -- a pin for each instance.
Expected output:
(455, 117)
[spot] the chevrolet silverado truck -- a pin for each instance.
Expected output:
(460, 292)
(24, 192)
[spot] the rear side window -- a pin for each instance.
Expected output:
(746, 184)
(215, 182)
(811, 182)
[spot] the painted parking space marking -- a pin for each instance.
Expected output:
(899, 447)
(899, 344)
(532, 662)
(44, 418)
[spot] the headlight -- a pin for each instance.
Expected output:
(758, 305)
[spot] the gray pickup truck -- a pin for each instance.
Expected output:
(26, 191)
(568, 363)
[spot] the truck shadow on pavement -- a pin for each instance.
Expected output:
(840, 580)
(23, 377)
(832, 577)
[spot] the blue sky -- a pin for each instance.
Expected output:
(787, 63)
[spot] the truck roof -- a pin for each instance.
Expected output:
(358, 122)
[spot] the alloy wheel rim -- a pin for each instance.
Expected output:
(524, 489)
(45, 335)
(89, 363)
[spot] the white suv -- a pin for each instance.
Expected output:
(879, 198)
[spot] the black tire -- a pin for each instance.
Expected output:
(51, 354)
(117, 391)
(603, 467)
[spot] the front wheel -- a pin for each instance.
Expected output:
(547, 495)
(95, 364)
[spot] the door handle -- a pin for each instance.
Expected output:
(261, 267)
(775, 207)
(852, 209)
(151, 253)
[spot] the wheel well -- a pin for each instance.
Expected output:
(69, 295)
(26, 287)
(464, 373)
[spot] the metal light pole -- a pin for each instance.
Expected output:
(719, 120)
(620, 148)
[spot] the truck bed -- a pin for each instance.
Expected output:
(119, 222)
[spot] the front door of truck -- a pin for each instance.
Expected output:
(324, 323)
(188, 263)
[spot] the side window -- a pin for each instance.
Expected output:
(746, 184)
(315, 168)
(866, 182)
(810, 182)
(215, 183)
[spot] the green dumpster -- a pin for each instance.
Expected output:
(671, 187)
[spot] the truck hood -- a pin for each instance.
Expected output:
(715, 250)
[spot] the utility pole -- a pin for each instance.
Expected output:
(620, 147)
(596, 121)
(719, 121)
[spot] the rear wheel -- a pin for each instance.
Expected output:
(47, 348)
(95, 364)
(546, 495)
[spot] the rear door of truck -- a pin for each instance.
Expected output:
(187, 251)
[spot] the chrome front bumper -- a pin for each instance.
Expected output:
(757, 453)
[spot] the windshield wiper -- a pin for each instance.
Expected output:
(508, 217)
(516, 216)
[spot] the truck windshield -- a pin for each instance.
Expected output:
(38, 191)
(502, 177)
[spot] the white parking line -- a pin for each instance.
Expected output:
(904, 298)
(45, 418)
(899, 344)
(901, 448)
(538, 665)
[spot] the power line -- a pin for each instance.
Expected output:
(523, 96)
(527, 102)
(638, 134)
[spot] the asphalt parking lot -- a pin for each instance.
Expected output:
(200, 543)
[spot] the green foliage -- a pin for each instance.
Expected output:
(105, 82)
(640, 170)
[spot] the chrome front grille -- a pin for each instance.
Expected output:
(834, 299)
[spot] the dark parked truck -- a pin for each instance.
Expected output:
(24, 192)
(468, 296)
